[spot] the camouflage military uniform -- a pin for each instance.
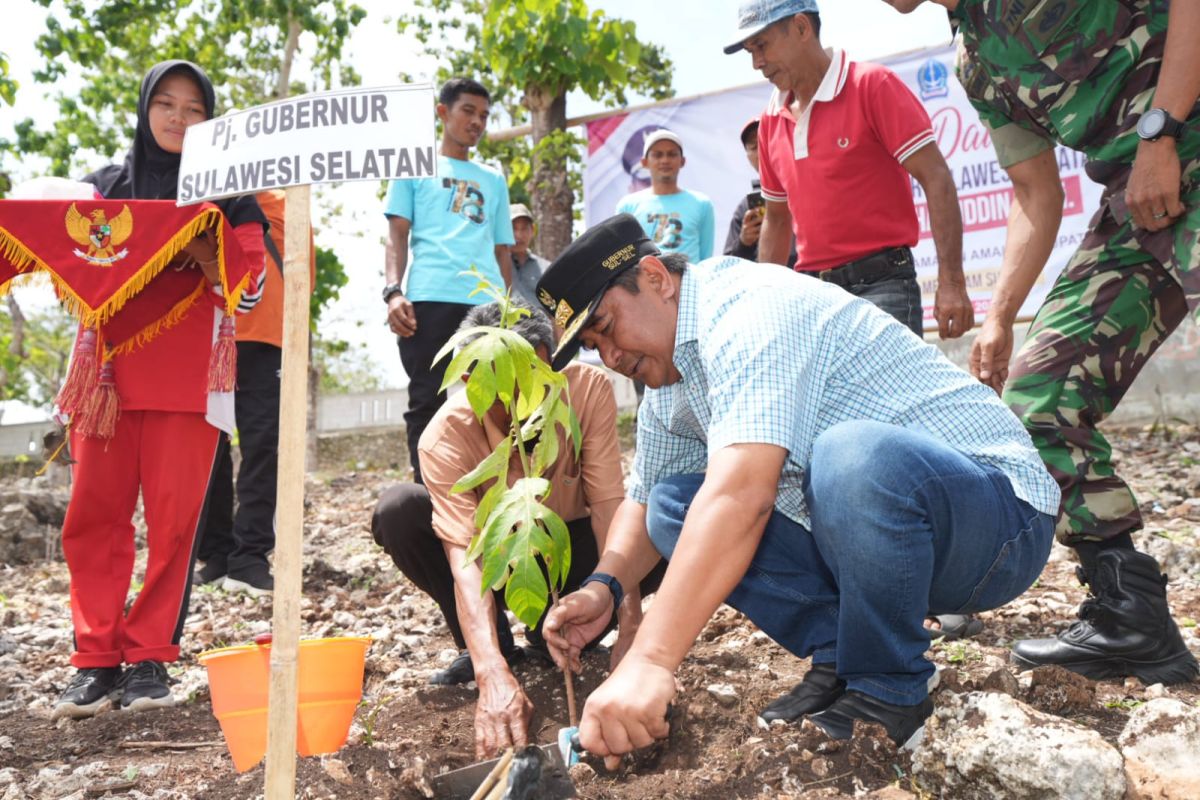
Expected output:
(1080, 72)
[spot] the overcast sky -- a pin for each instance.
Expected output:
(692, 33)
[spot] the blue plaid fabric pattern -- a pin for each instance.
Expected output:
(774, 357)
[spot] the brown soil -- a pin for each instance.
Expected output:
(407, 732)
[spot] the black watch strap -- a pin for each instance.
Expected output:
(391, 290)
(612, 583)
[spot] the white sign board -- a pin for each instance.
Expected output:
(346, 135)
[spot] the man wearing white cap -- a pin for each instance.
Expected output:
(676, 220)
(839, 146)
(527, 266)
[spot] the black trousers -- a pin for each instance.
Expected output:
(436, 323)
(403, 525)
(247, 537)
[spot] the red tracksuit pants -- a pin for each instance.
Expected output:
(169, 456)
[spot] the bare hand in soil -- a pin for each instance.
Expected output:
(502, 714)
(627, 711)
(577, 619)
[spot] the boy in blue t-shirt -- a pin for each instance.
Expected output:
(678, 221)
(451, 223)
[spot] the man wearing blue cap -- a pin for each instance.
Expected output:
(802, 457)
(839, 146)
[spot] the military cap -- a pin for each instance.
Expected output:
(572, 286)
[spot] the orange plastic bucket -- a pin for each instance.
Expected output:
(330, 687)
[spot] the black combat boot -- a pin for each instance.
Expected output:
(1124, 627)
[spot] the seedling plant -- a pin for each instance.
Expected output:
(517, 534)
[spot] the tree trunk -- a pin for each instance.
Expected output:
(550, 189)
(17, 345)
(282, 89)
(314, 390)
(289, 52)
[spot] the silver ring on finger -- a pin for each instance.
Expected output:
(1160, 215)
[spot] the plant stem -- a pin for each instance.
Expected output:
(515, 427)
(572, 713)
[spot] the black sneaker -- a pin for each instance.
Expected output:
(91, 690)
(145, 686)
(213, 570)
(817, 692)
(905, 725)
(254, 580)
(461, 670)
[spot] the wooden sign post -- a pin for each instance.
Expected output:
(346, 135)
(289, 503)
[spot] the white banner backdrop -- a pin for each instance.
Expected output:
(709, 126)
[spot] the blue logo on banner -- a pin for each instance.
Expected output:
(933, 79)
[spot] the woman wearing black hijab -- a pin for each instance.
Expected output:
(165, 438)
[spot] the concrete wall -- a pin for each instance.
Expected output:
(15, 440)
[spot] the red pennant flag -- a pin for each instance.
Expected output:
(119, 268)
(101, 254)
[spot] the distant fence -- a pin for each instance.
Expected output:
(342, 413)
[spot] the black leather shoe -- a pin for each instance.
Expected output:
(820, 687)
(461, 670)
(1124, 628)
(902, 723)
(90, 690)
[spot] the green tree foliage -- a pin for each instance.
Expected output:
(331, 277)
(34, 351)
(534, 53)
(516, 529)
(8, 87)
(246, 46)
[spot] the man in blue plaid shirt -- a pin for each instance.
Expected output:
(802, 457)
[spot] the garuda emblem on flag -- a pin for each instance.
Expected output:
(99, 234)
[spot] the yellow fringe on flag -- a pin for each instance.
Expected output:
(168, 321)
(22, 258)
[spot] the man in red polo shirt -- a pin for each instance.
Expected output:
(837, 144)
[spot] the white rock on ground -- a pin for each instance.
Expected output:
(989, 745)
(1161, 745)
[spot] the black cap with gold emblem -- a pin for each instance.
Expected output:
(573, 285)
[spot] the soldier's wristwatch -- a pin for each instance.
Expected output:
(1157, 123)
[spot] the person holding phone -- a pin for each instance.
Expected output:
(746, 224)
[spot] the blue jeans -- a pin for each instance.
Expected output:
(903, 526)
(899, 296)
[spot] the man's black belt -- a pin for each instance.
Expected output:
(895, 262)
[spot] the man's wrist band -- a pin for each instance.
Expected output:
(612, 583)
(391, 290)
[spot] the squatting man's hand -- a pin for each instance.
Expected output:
(502, 714)
(627, 711)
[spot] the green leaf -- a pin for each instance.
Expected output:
(527, 594)
(481, 389)
(486, 470)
